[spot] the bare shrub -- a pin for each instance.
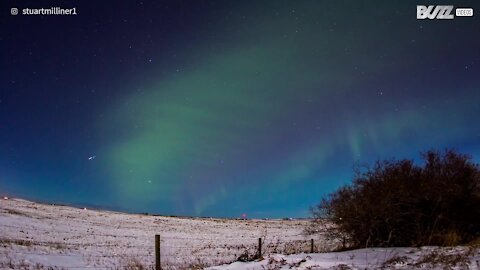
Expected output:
(400, 203)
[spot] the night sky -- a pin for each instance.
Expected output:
(218, 108)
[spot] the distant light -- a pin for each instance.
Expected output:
(85, 208)
(5, 198)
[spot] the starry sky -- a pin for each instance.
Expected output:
(219, 108)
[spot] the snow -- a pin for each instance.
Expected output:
(39, 236)
(371, 258)
(62, 236)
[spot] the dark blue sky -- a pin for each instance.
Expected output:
(226, 107)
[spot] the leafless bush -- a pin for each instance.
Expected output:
(400, 203)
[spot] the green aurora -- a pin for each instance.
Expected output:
(219, 108)
(265, 108)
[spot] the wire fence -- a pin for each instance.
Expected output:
(130, 251)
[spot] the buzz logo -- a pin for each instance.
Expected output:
(434, 12)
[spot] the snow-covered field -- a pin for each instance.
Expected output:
(73, 238)
(40, 236)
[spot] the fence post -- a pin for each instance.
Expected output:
(157, 253)
(259, 247)
(311, 245)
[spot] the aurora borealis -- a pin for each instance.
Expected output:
(218, 108)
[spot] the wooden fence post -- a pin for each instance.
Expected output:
(259, 247)
(311, 245)
(157, 253)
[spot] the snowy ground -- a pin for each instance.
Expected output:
(372, 258)
(73, 238)
(39, 236)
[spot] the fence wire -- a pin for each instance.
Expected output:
(173, 247)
